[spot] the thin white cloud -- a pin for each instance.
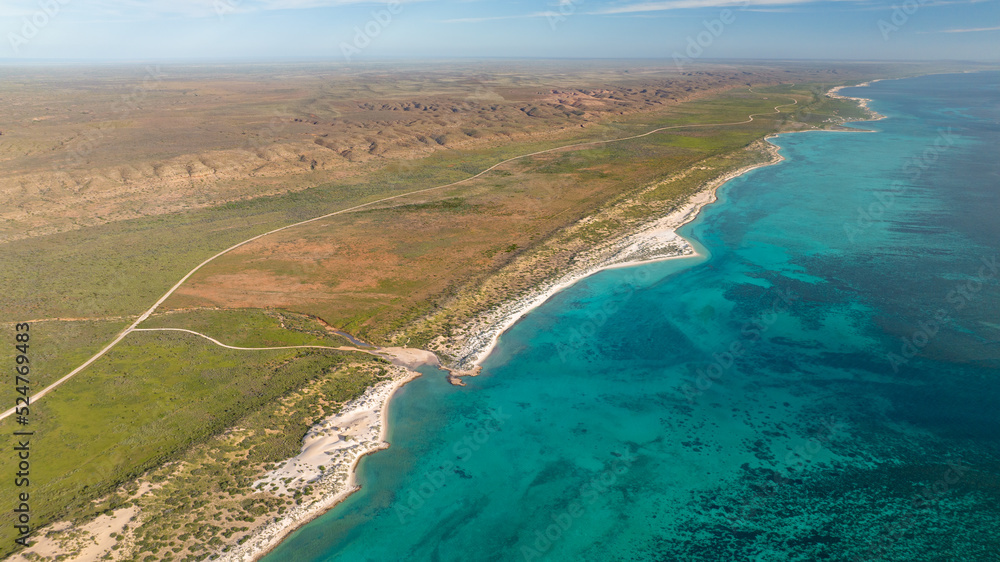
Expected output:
(560, 5)
(689, 4)
(145, 9)
(494, 18)
(969, 30)
(950, 2)
(924, 4)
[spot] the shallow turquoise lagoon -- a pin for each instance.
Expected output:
(821, 384)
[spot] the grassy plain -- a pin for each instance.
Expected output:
(142, 405)
(58, 347)
(376, 271)
(251, 327)
(207, 501)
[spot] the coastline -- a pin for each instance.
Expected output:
(654, 241)
(337, 484)
(616, 253)
(863, 102)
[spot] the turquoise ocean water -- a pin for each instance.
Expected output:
(822, 384)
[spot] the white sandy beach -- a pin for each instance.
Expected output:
(655, 241)
(336, 444)
(863, 102)
(329, 456)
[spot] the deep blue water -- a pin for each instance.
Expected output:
(822, 384)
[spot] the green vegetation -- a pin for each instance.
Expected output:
(56, 348)
(398, 261)
(251, 327)
(215, 482)
(645, 172)
(143, 404)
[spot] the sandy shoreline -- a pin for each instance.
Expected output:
(365, 417)
(863, 102)
(654, 241)
(336, 484)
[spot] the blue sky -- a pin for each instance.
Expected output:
(358, 30)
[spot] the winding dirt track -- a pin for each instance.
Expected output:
(220, 344)
(134, 326)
